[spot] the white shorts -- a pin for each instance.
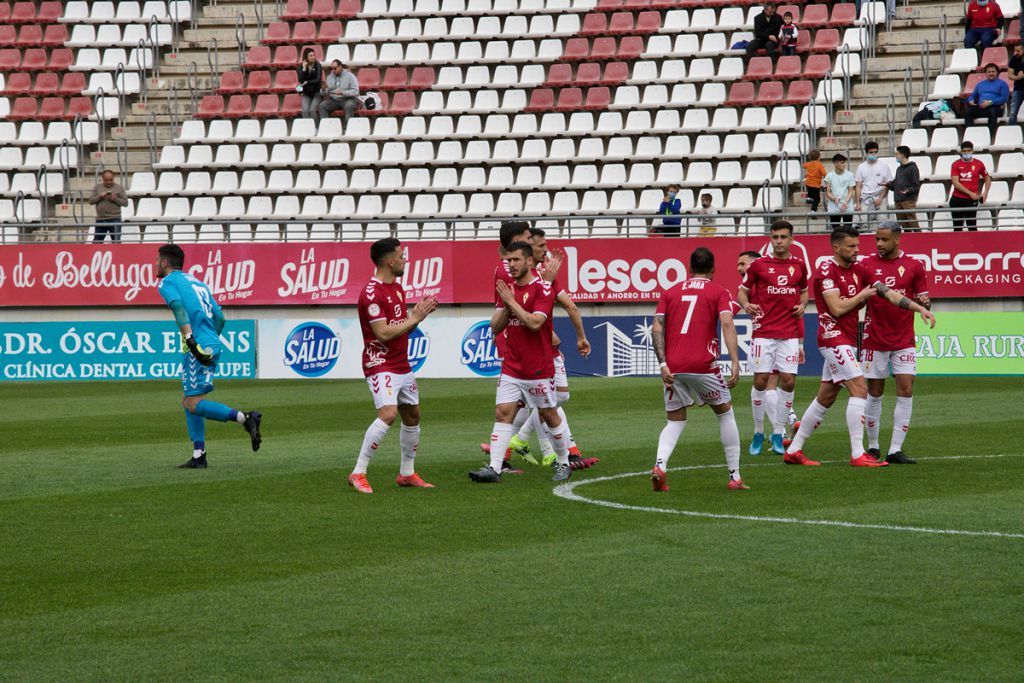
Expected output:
(770, 355)
(561, 377)
(840, 364)
(877, 364)
(700, 389)
(389, 389)
(535, 393)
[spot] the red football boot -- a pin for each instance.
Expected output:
(659, 479)
(799, 458)
(865, 460)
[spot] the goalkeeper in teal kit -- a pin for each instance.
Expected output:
(200, 320)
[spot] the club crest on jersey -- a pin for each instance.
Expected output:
(792, 271)
(901, 270)
(526, 295)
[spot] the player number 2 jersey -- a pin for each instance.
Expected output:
(383, 301)
(888, 327)
(776, 285)
(691, 310)
(838, 331)
(528, 354)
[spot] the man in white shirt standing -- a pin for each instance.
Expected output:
(873, 178)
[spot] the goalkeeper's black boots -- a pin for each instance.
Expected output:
(252, 426)
(194, 463)
(899, 458)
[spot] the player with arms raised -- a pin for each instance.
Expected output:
(527, 368)
(888, 344)
(774, 294)
(386, 324)
(200, 321)
(685, 332)
(841, 288)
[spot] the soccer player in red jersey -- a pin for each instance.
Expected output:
(685, 332)
(527, 369)
(841, 288)
(774, 294)
(888, 344)
(386, 324)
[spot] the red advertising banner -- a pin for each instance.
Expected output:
(959, 265)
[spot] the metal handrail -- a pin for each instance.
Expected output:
(908, 95)
(240, 37)
(926, 64)
(942, 36)
(64, 161)
(43, 185)
(890, 118)
(258, 6)
(151, 138)
(192, 82)
(76, 135)
(174, 107)
(213, 61)
(122, 157)
(101, 118)
(844, 59)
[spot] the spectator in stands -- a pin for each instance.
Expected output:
(906, 188)
(766, 31)
(1016, 75)
(873, 178)
(108, 197)
(706, 215)
(839, 184)
(788, 34)
(971, 182)
(342, 92)
(311, 77)
(670, 208)
(984, 22)
(988, 98)
(814, 173)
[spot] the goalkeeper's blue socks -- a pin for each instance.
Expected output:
(196, 427)
(220, 412)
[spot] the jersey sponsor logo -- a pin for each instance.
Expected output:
(479, 353)
(538, 390)
(419, 348)
(782, 280)
(312, 349)
(771, 289)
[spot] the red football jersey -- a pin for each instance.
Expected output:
(776, 285)
(970, 173)
(691, 309)
(841, 331)
(528, 355)
(382, 301)
(501, 273)
(888, 327)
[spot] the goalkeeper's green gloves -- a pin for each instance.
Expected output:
(202, 355)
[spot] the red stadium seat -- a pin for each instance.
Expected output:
(630, 47)
(285, 81)
(266, 106)
(277, 33)
(1013, 33)
(758, 69)
(826, 40)
(799, 92)
(50, 12)
(30, 35)
(994, 55)
(741, 94)
(286, 56)
(239, 107)
(304, 32)
(395, 78)
(587, 73)
(598, 99)
(609, 5)
(792, 9)
(648, 22)
(55, 36)
(843, 14)
(211, 107)
(296, 10)
(61, 59)
(348, 8)
(402, 104)
(815, 16)
(818, 66)
(258, 57)
(46, 84)
(803, 42)
(595, 24)
(79, 106)
(559, 74)
(323, 9)
(621, 23)
(18, 83)
(5, 12)
(10, 58)
(369, 78)
(664, 4)
(769, 93)
(381, 109)
(73, 83)
(576, 49)
(231, 82)
(330, 32)
(603, 48)
(259, 82)
(291, 105)
(570, 99)
(541, 99)
(615, 73)
(637, 4)
(23, 13)
(8, 36)
(788, 68)
(24, 109)
(34, 59)
(52, 109)
(422, 78)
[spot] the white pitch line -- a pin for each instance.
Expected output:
(568, 492)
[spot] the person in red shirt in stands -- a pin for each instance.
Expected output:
(984, 22)
(971, 182)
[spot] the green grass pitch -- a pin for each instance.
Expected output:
(114, 565)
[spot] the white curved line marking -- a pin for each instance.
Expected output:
(568, 492)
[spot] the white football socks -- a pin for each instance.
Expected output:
(667, 442)
(409, 438)
(813, 416)
(543, 433)
(565, 421)
(375, 433)
(500, 436)
(560, 441)
(757, 399)
(873, 419)
(783, 406)
(521, 424)
(730, 435)
(901, 422)
(855, 424)
(771, 402)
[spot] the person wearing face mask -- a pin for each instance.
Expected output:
(670, 208)
(873, 178)
(988, 98)
(984, 23)
(971, 182)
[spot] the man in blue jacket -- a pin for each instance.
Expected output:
(670, 208)
(988, 98)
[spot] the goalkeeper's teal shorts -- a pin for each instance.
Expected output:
(196, 378)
